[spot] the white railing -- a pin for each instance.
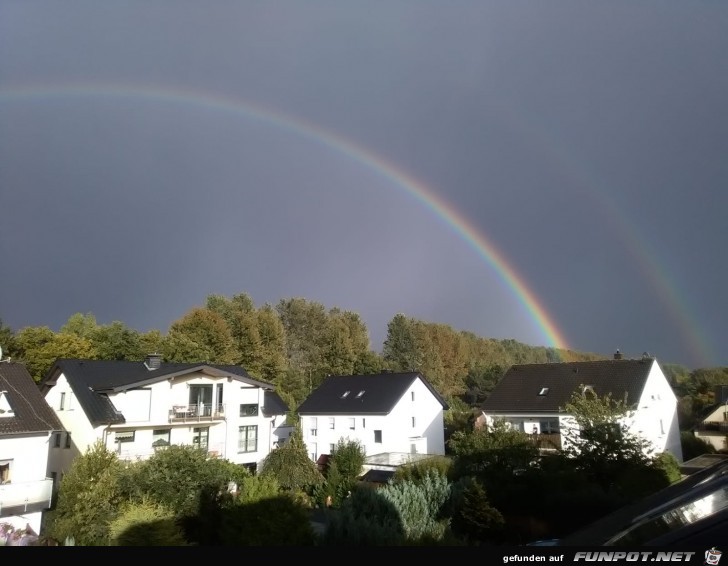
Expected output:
(23, 494)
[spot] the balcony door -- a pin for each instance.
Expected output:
(201, 399)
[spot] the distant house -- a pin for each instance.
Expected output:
(389, 413)
(27, 425)
(531, 398)
(135, 408)
(713, 426)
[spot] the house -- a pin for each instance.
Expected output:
(389, 413)
(27, 425)
(531, 398)
(135, 408)
(713, 427)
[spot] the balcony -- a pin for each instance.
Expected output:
(714, 427)
(548, 441)
(197, 413)
(17, 498)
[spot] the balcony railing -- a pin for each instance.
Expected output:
(548, 440)
(720, 427)
(197, 413)
(25, 497)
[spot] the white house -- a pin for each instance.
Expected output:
(27, 425)
(135, 408)
(387, 413)
(713, 426)
(531, 397)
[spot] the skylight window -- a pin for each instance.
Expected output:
(359, 394)
(544, 391)
(345, 394)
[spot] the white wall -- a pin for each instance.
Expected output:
(397, 431)
(28, 456)
(656, 415)
(718, 440)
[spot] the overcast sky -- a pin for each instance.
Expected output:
(445, 160)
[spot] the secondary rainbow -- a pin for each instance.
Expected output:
(398, 177)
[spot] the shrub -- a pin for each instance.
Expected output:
(146, 524)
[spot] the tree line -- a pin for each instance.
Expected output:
(295, 343)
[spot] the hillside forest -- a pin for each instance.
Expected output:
(296, 343)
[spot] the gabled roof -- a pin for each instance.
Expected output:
(92, 380)
(273, 404)
(342, 394)
(547, 387)
(31, 413)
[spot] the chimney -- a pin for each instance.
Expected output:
(153, 361)
(617, 355)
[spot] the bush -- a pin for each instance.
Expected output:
(146, 524)
(692, 446)
(275, 521)
(417, 471)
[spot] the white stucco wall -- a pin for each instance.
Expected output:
(398, 433)
(717, 439)
(656, 416)
(28, 457)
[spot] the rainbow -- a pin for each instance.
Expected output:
(395, 175)
(664, 286)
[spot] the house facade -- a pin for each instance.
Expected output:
(27, 425)
(532, 397)
(713, 427)
(136, 408)
(386, 413)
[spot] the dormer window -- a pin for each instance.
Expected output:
(345, 394)
(359, 394)
(544, 391)
(5, 409)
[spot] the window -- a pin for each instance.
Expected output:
(332, 447)
(313, 453)
(314, 426)
(63, 401)
(378, 436)
(662, 427)
(200, 400)
(70, 401)
(161, 437)
(413, 395)
(413, 422)
(345, 394)
(200, 437)
(352, 423)
(248, 439)
(5, 471)
(363, 422)
(359, 394)
(249, 410)
(124, 436)
(332, 423)
(57, 440)
(68, 440)
(544, 391)
(550, 426)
